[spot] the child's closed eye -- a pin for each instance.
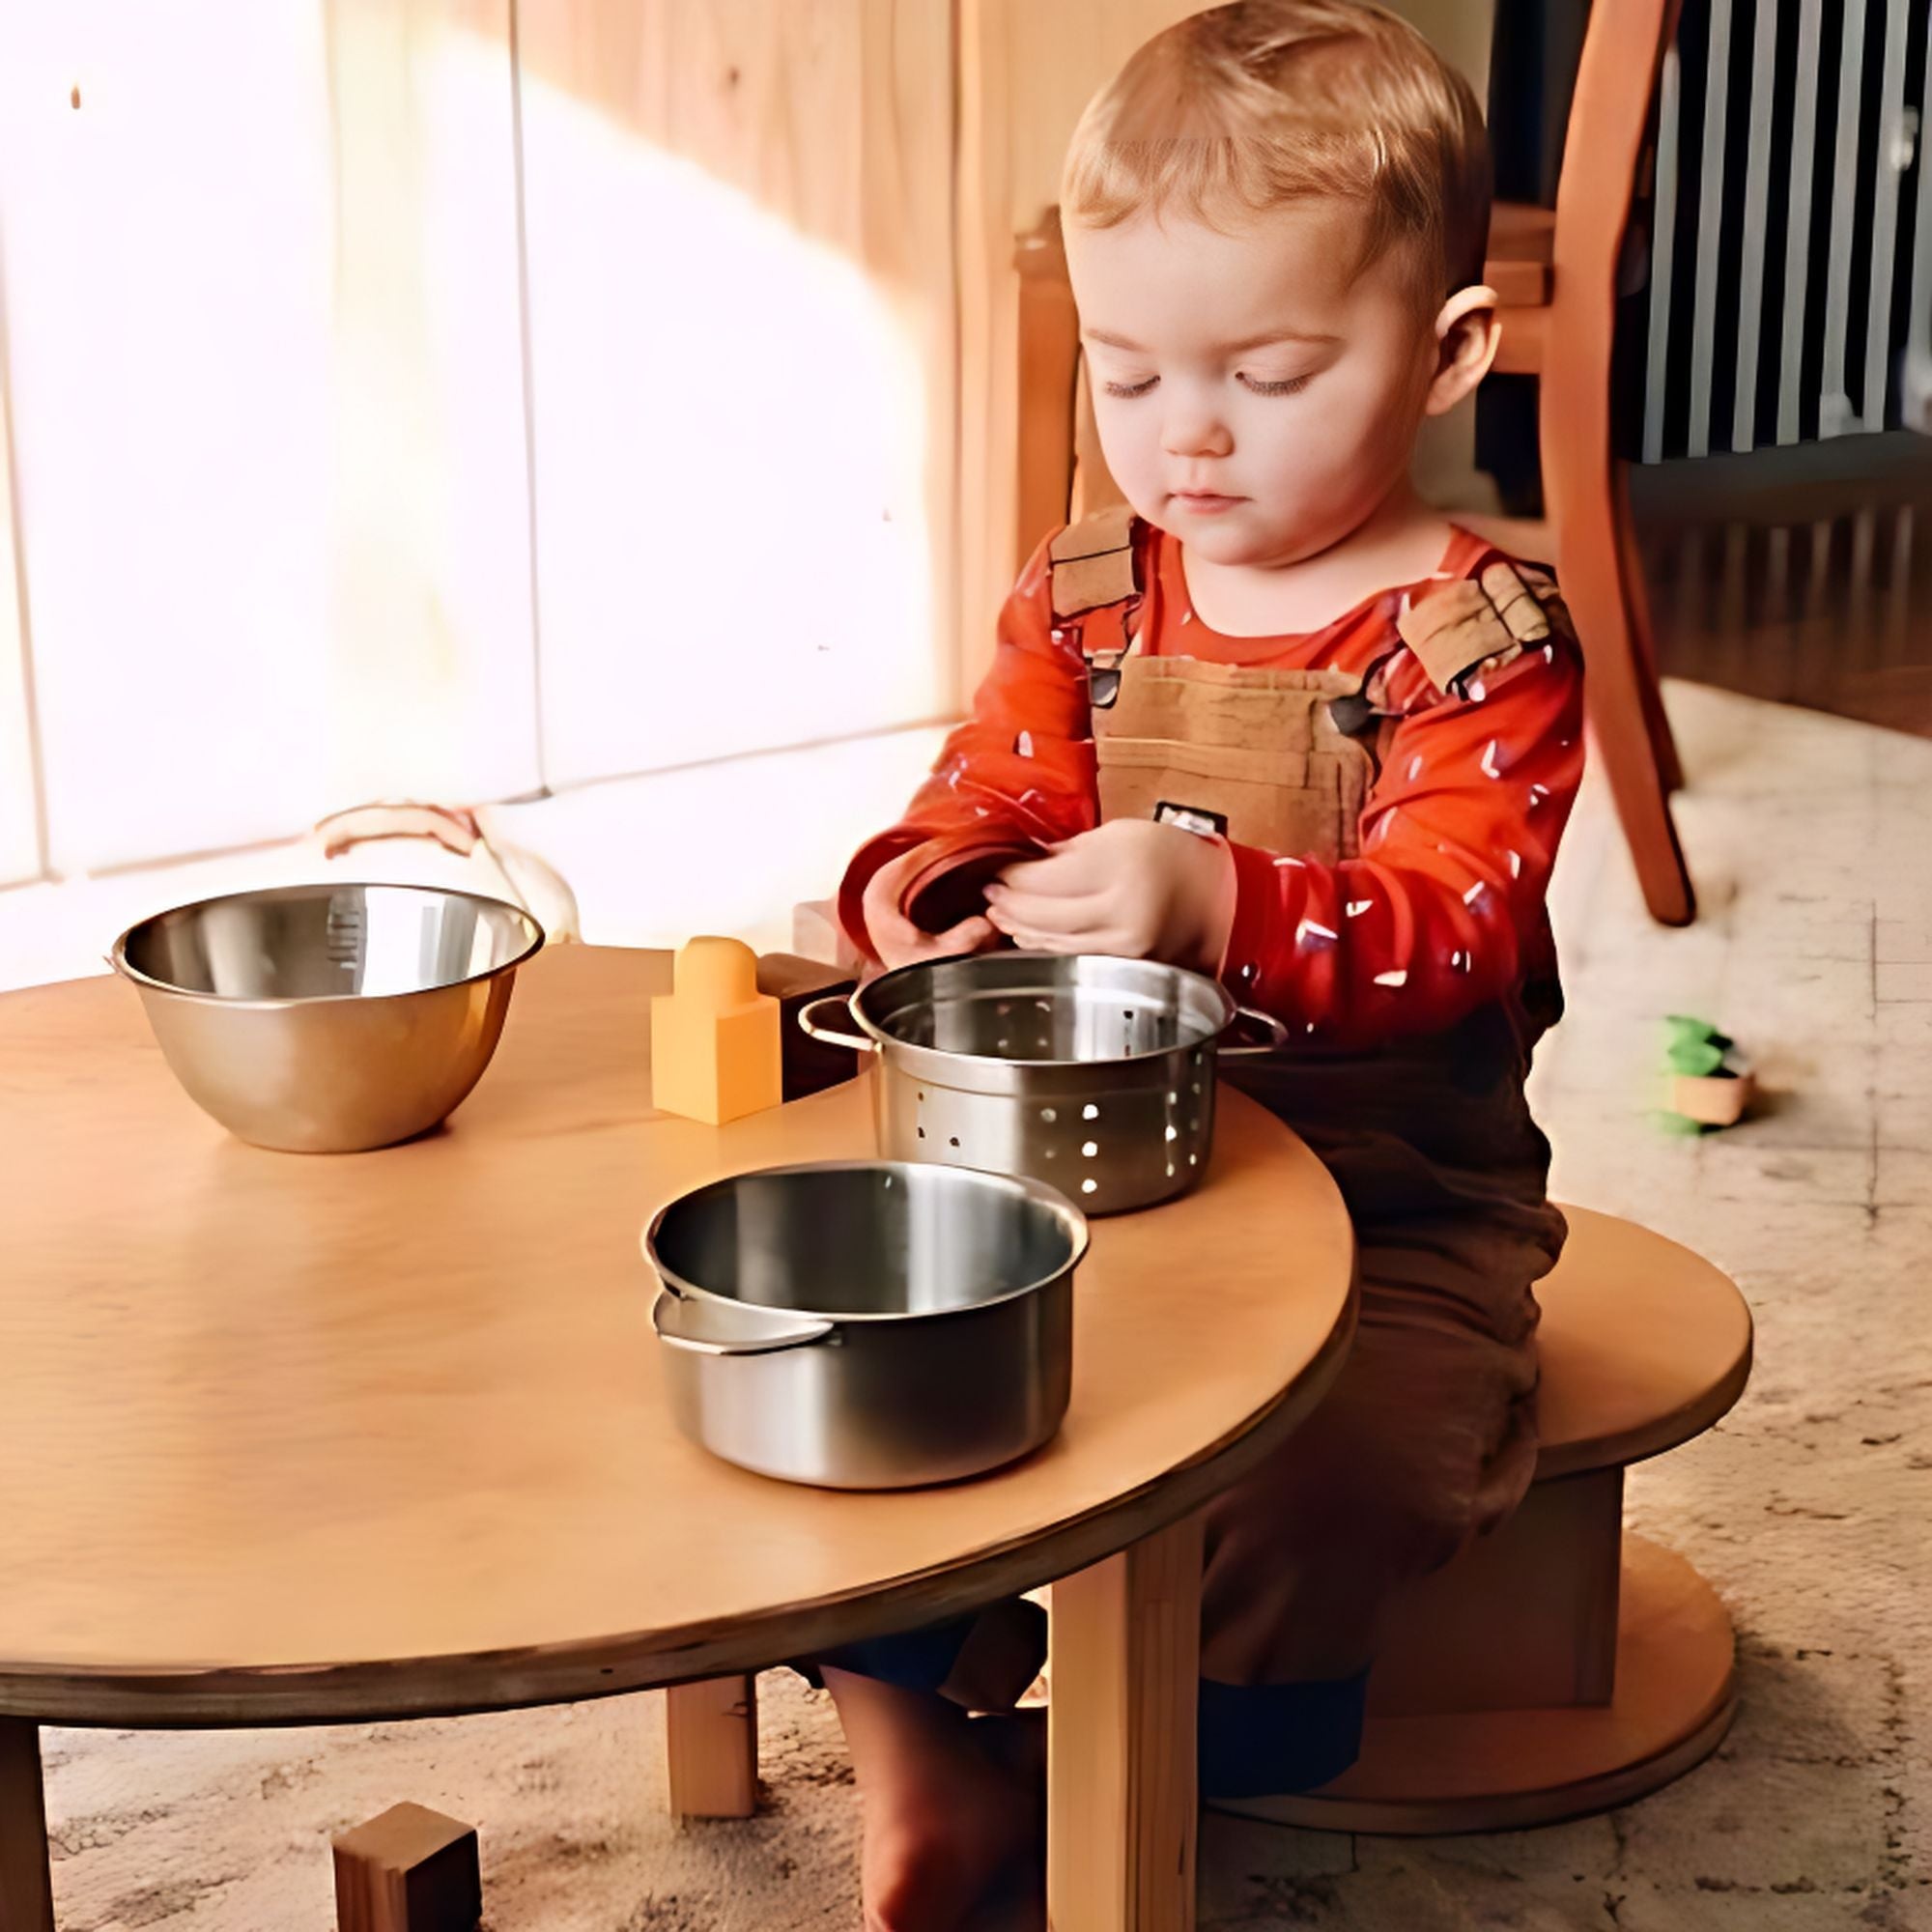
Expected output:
(1139, 388)
(1288, 386)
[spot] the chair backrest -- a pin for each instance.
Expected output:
(1062, 473)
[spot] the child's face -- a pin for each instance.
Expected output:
(1255, 395)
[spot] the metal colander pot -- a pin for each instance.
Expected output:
(1090, 1073)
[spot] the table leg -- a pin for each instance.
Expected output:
(26, 1888)
(1121, 1804)
(711, 1748)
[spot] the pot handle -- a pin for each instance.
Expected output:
(807, 1018)
(680, 1325)
(1277, 1036)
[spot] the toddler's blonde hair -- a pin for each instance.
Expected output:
(1247, 107)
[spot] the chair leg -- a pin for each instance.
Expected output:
(1664, 741)
(711, 1748)
(26, 1888)
(1605, 595)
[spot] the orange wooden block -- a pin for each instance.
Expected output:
(410, 1870)
(715, 1052)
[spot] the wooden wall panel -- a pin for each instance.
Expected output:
(1026, 72)
(741, 314)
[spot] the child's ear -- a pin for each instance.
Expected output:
(1467, 335)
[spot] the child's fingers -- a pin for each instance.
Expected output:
(1046, 912)
(968, 936)
(1065, 873)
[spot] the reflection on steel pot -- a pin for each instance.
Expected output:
(329, 1018)
(1092, 1073)
(868, 1324)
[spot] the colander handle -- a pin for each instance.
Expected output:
(1277, 1036)
(807, 1018)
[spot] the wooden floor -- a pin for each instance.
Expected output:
(1803, 576)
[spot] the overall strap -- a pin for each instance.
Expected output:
(1475, 624)
(1094, 563)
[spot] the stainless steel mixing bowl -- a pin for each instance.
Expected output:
(326, 1019)
(868, 1324)
(1092, 1073)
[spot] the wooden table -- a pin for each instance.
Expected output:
(290, 1439)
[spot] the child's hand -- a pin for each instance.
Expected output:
(1133, 887)
(897, 941)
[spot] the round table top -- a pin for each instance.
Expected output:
(307, 1438)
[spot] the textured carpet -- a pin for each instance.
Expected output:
(1808, 1509)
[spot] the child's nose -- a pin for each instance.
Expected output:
(1195, 432)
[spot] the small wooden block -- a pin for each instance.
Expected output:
(806, 1066)
(711, 1748)
(410, 1870)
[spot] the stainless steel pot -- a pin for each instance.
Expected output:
(1092, 1073)
(868, 1324)
(329, 1018)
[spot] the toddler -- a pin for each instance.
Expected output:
(1278, 720)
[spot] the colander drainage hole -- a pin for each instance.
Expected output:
(1049, 1115)
(1090, 1187)
(954, 1140)
(1090, 1112)
(1091, 1149)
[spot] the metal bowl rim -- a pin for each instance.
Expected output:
(1231, 1008)
(118, 958)
(1037, 1192)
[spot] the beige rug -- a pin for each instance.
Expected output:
(1811, 840)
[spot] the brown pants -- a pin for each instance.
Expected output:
(1427, 1438)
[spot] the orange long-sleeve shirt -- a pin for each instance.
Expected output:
(1443, 911)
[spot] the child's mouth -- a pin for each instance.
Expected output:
(1204, 503)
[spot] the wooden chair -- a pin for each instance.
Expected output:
(1556, 273)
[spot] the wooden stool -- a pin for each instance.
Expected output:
(1561, 1666)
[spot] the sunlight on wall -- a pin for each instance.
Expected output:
(432, 650)
(732, 547)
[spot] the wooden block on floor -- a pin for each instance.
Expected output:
(711, 1748)
(410, 1870)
